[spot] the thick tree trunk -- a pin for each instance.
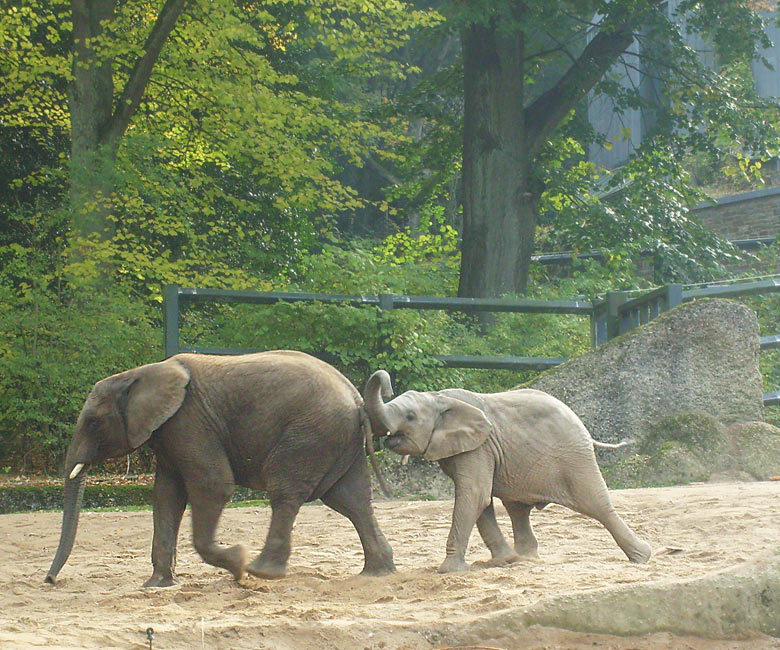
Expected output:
(498, 218)
(504, 131)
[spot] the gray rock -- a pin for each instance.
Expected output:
(701, 357)
(728, 603)
(757, 447)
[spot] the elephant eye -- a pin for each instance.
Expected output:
(410, 416)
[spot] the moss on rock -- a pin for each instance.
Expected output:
(677, 449)
(757, 448)
(689, 447)
(672, 464)
(417, 479)
(694, 431)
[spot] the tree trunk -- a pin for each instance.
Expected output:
(91, 106)
(503, 133)
(98, 123)
(499, 218)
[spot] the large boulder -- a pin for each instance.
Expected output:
(685, 388)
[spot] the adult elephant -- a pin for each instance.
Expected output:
(523, 446)
(279, 421)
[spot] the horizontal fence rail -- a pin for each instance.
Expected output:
(772, 399)
(500, 363)
(733, 290)
(617, 313)
(769, 342)
(174, 295)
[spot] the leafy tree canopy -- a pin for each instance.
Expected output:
(229, 167)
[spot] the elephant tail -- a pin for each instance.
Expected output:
(368, 437)
(607, 445)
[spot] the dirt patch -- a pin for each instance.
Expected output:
(323, 603)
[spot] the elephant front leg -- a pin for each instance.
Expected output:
(494, 539)
(470, 502)
(208, 500)
(170, 499)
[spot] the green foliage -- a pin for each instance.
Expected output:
(767, 308)
(644, 206)
(51, 352)
(100, 496)
(239, 165)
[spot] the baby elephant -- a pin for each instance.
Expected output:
(523, 446)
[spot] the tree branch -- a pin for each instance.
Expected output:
(549, 109)
(142, 71)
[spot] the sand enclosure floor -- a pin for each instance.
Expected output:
(98, 601)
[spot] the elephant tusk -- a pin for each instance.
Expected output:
(76, 470)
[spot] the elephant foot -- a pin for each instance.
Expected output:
(382, 570)
(453, 565)
(531, 552)
(380, 562)
(640, 554)
(161, 580)
(234, 560)
(503, 559)
(265, 569)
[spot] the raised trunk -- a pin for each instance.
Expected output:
(73, 496)
(498, 226)
(378, 386)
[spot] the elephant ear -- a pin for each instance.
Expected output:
(155, 393)
(460, 427)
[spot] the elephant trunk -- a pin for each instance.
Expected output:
(378, 386)
(73, 496)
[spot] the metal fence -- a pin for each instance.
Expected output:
(617, 313)
(174, 296)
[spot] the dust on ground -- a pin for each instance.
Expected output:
(323, 603)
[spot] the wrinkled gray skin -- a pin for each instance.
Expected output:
(279, 421)
(523, 446)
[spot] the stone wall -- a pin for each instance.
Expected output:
(750, 215)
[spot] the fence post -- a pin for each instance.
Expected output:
(386, 305)
(674, 296)
(386, 301)
(598, 323)
(171, 319)
(614, 299)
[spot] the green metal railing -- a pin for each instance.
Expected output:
(174, 295)
(617, 313)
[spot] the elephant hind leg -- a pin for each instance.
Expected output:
(272, 561)
(525, 540)
(351, 497)
(637, 550)
(591, 498)
(494, 539)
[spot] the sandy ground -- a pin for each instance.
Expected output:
(98, 601)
